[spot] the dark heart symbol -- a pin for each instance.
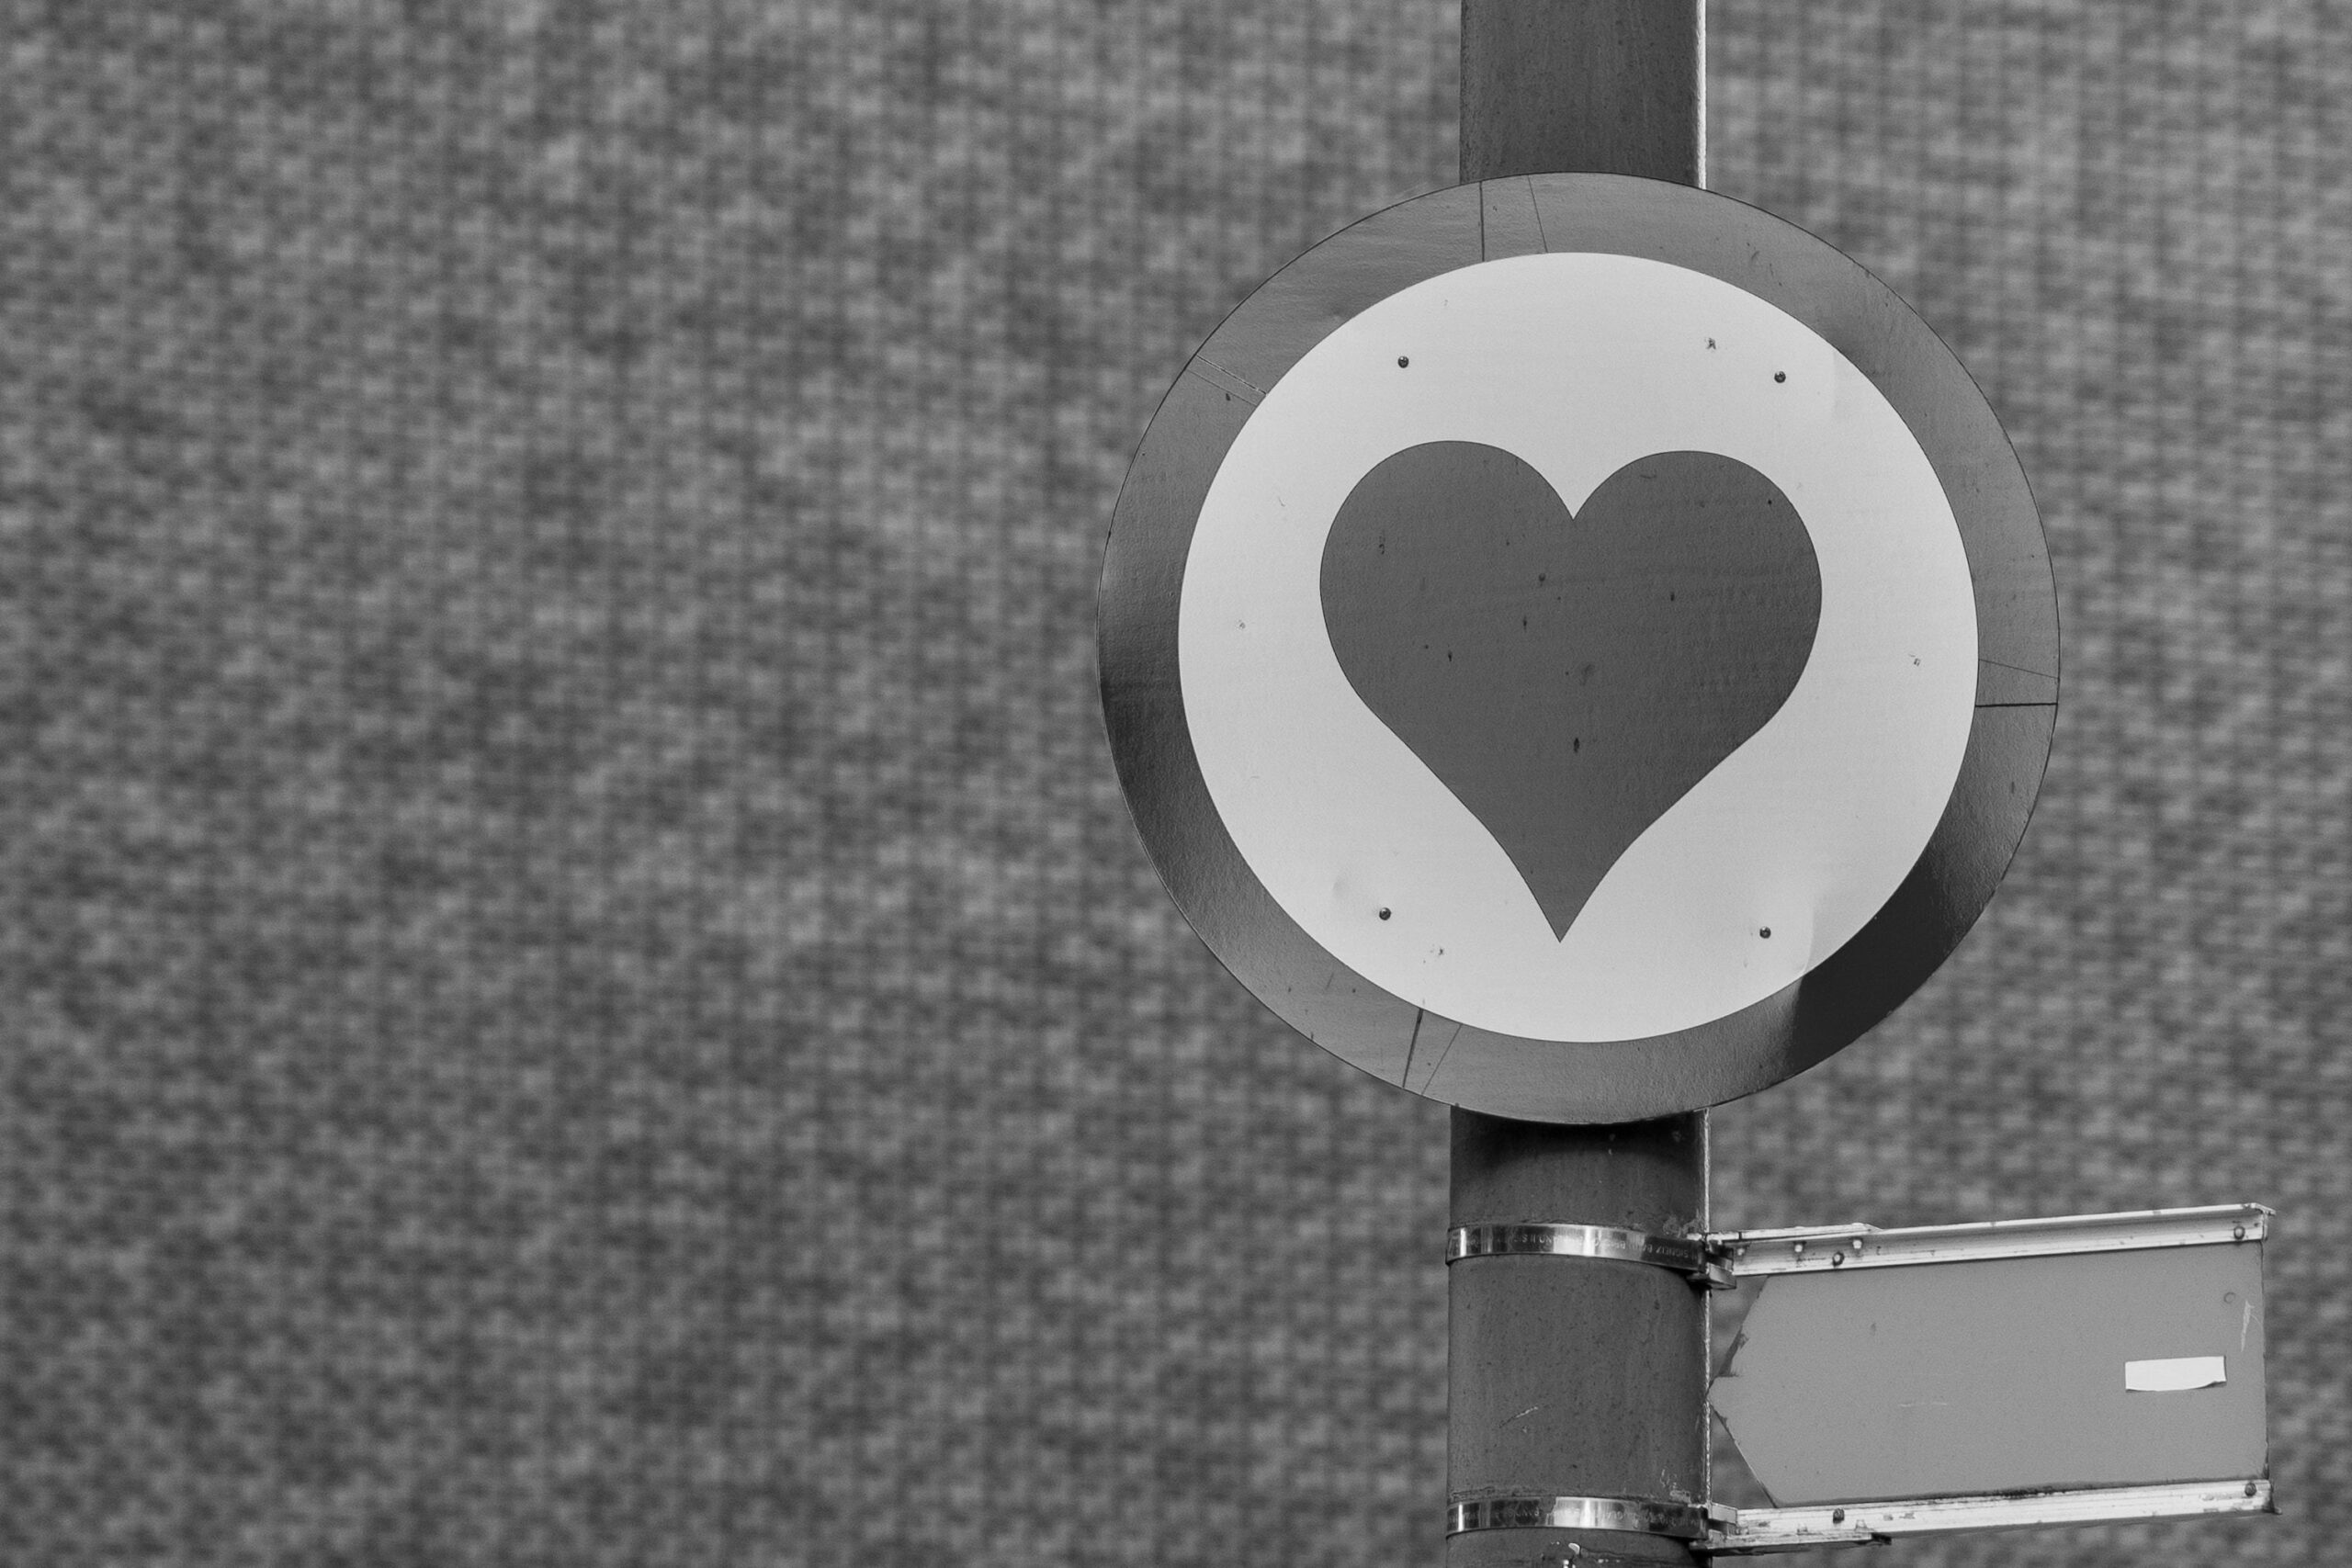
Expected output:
(1569, 677)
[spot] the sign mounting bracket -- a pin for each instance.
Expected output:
(1811, 1249)
(1749, 1531)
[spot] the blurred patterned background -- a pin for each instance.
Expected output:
(578, 988)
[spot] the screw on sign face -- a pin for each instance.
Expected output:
(1579, 647)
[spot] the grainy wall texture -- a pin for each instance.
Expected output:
(577, 988)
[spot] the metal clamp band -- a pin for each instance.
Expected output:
(1639, 1515)
(1684, 1254)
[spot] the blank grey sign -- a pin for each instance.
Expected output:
(1999, 1375)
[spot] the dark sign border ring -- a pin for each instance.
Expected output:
(1363, 1023)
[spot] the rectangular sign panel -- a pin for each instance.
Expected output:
(1943, 1373)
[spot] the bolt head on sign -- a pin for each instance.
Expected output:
(1579, 647)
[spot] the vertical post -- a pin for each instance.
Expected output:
(1574, 1377)
(1596, 87)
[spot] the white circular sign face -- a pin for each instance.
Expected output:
(1579, 365)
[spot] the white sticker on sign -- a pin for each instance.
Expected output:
(2173, 1374)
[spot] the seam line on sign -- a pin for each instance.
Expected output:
(1635, 1515)
(1536, 208)
(1439, 1065)
(2020, 668)
(2017, 705)
(1226, 380)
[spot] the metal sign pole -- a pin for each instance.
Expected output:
(1452, 617)
(1584, 86)
(1578, 1407)
(1578, 1421)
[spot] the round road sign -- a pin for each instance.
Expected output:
(1579, 647)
